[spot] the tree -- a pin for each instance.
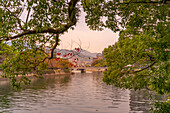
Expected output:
(99, 63)
(141, 57)
(139, 62)
(45, 21)
(59, 63)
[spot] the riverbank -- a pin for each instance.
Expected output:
(48, 72)
(62, 72)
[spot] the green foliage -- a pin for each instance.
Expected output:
(62, 63)
(119, 14)
(99, 63)
(66, 70)
(18, 65)
(5, 49)
(161, 107)
(31, 26)
(140, 58)
(136, 63)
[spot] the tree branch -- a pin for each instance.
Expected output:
(143, 68)
(28, 15)
(19, 21)
(47, 40)
(48, 30)
(72, 21)
(72, 11)
(55, 45)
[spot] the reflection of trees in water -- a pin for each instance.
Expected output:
(139, 100)
(142, 100)
(5, 92)
(116, 96)
(57, 88)
(8, 95)
(117, 92)
(37, 83)
(50, 81)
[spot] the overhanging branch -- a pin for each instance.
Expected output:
(71, 17)
(142, 68)
(55, 45)
(19, 20)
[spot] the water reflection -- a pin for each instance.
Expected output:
(79, 93)
(139, 101)
(10, 98)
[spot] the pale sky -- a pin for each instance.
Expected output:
(93, 41)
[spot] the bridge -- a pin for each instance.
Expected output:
(84, 69)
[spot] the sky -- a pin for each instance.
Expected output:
(93, 41)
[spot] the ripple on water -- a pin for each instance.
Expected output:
(79, 93)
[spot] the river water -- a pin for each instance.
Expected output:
(78, 93)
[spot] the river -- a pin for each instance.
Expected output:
(78, 93)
